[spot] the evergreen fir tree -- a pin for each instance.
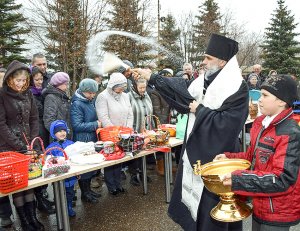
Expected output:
(10, 33)
(125, 17)
(280, 47)
(169, 35)
(208, 22)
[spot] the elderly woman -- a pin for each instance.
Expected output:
(114, 109)
(253, 82)
(141, 107)
(19, 123)
(85, 123)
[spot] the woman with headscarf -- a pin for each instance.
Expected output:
(19, 124)
(253, 82)
(141, 107)
(114, 109)
(85, 123)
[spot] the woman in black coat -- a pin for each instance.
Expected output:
(19, 124)
(56, 101)
(36, 87)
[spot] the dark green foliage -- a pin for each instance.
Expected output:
(208, 22)
(168, 38)
(11, 32)
(280, 49)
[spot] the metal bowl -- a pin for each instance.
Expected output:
(212, 173)
(230, 208)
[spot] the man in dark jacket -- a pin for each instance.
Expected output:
(39, 60)
(217, 107)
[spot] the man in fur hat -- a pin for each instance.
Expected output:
(217, 104)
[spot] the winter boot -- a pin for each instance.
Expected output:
(70, 193)
(25, 224)
(71, 212)
(93, 193)
(160, 168)
(135, 180)
(43, 204)
(6, 222)
(85, 192)
(31, 214)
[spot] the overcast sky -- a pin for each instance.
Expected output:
(255, 13)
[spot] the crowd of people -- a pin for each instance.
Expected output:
(35, 103)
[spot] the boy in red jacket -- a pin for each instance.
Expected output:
(274, 177)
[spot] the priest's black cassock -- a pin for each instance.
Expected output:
(214, 131)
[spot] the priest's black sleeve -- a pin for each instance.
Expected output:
(174, 90)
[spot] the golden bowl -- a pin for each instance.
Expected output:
(229, 209)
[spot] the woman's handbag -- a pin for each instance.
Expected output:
(181, 126)
(55, 165)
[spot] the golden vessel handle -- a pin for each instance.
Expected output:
(197, 168)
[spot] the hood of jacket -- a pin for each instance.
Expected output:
(13, 67)
(56, 124)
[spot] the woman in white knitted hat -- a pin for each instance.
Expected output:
(114, 109)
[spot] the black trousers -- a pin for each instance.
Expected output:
(5, 207)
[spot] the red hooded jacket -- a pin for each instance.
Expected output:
(274, 178)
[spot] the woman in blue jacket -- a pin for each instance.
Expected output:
(84, 122)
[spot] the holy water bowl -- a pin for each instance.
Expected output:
(230, 208)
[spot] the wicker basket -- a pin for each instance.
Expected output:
(35, 166)
(52, 167)
(156, 136)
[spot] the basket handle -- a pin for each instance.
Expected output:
(41, 143)
(98, 133)
(150, 117)
(51, 149)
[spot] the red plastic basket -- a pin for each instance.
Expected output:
(13, 171)
(111, 133)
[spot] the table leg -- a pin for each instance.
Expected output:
(57, 205)
(244, 138)
(145, 183)
(167, 177)
(64, 208)
(171, 167)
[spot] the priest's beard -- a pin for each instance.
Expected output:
(213, 69)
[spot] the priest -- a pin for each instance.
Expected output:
(217, 105)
